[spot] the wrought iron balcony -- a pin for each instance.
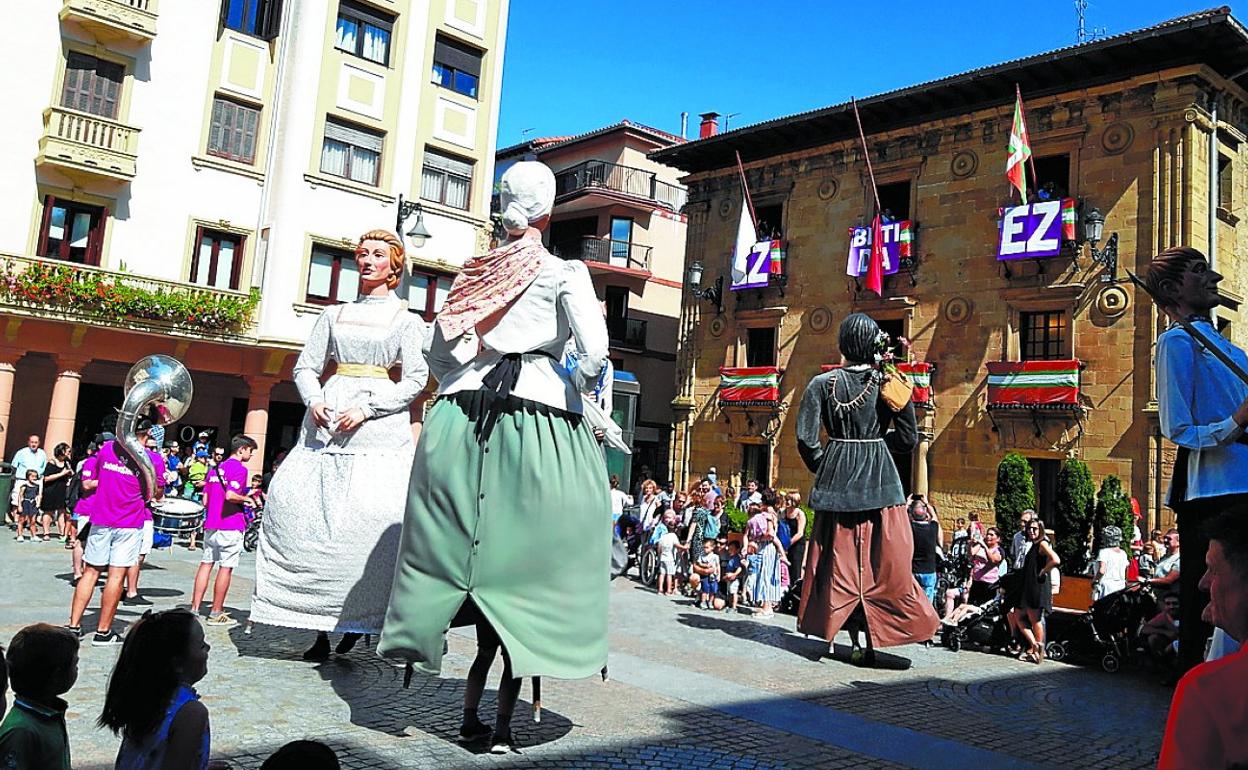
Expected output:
(82, 143)
(601, 175)
(594, 250)
(51, 288)
(112, 19)
(627, 332)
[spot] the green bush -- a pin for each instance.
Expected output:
(736, 517)
(1073, 510)
(1113, 508)
(1016, 492)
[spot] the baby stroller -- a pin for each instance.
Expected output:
(1108, 631)
(985, 626)
(954, 569)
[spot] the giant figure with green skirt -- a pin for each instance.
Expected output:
(508, 521)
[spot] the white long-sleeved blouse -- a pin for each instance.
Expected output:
(560, 305)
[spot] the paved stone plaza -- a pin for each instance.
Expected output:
(687, 688)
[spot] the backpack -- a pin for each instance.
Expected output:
(711, 528)
(73, 493)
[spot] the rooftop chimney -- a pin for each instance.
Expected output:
(710, 124)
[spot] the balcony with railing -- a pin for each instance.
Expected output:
(623, 183)
(67, 291)
(607, 254)
(81, 143)
(113, 19)
(627, 333)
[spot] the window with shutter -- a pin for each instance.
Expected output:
(351, 152)
(232, 132)
(259, 18)
(364, 31)
(456, 66)
(92, 85)
(446, 179)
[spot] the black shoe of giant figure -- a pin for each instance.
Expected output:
(347, 643)
(501, 743)
(471, 732)
(319, 651)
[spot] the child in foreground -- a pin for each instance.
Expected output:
(42, 664)
(151, 702)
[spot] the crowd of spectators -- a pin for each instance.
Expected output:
(724, 548)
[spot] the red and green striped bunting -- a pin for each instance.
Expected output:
(1033, 383)
(920, 374)
(749, 383)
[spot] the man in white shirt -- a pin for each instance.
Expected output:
(29, 457)
(1020, 544)
(1168, 571)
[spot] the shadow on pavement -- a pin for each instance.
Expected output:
(373, 690)
(754, 631)
(933, 723)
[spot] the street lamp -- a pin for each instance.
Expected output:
(419, 233)
(713, 293)
(1093, 230)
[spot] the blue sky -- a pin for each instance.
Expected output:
(576, 65)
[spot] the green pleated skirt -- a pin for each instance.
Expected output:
(507, 507)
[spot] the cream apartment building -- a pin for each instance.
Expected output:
(620, 213)
(190, 178)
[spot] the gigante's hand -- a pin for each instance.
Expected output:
(320, 415)
(1241, 414)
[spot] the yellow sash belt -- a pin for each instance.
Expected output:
(363, 370)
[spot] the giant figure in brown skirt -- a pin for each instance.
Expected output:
(858, 574)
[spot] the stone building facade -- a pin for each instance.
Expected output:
(1145, 127)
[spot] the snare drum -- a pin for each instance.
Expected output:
(175, 516)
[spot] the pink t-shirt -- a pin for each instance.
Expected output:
(119, 499)
(221, 514)
(88, 472)
(983, 570)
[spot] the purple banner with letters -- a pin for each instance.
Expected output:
(1036, 230)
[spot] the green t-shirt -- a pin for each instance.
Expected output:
(197, 471)
(33, 737)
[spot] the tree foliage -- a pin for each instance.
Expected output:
(1113, 508)
(1016, 492)
(1073, 510)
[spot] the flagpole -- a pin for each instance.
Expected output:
(867, 155)
(1031, 156)
(749, 202)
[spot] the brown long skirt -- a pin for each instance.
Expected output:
(863, 558)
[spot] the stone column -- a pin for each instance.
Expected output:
(64, 408)
(920, 454)
(256, 424)
(8, 371)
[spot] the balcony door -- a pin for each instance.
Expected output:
(72, 231)
(92, 85)
(621, 240)
(567, 236)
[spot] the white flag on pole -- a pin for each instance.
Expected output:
(746, 238)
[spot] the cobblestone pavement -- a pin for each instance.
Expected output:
(687, 688)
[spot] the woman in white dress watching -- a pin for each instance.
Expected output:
(335, 509)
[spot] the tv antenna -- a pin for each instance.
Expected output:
(1082, 33)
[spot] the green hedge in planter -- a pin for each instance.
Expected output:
(1113, 508)
(1016, 492)
(1073, 510)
